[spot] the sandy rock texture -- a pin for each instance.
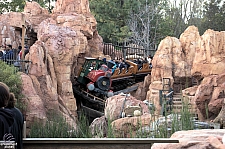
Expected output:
(194, 62)
(57, 43)
(191, 139)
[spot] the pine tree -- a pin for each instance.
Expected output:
(111, 16)
(213, 18)
(18, 5)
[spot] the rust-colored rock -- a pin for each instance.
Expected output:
(99, 127)
(127, 127)
(56, 41)
(143, 87)
(209, 96)
(209, 59)
(115, 105)
(72, 6)
(59, 42)
(191, 139)
(189, 42)
(34, 107)
(34, 14)
(192, 60)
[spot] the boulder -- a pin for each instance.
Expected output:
(191, 139)
(209, 96)
(99, 127)
(34, 108)
(128, 127)
(143, 87)
(34, 14)
(117, 104)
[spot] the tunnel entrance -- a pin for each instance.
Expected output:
(181, 83)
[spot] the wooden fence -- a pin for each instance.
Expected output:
(19, 65)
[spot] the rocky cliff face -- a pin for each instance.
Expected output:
(189, 61)
(58, 42)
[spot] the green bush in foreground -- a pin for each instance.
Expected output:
(12, 78)
(57, 127)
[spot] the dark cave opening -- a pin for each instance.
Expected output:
(181, 83)
(30, 36)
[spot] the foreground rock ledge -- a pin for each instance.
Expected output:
(191, 139)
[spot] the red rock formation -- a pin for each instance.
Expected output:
(99, 127)
(114, 106)
(60, 40)
(210, 95)
(128, 127)
(57, 40)
(191, 56)
(72, 6)
(140, 94)
(191, 139)
(209, 58)
(34, 15)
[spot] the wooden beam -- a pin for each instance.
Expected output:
(23, 40)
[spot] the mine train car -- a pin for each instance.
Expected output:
(96, 82)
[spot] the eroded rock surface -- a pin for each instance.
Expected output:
(57, 41)
(115, 105)
(128, 127)
(192, 60)
(191, 139)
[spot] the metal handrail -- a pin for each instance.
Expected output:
(11, 62)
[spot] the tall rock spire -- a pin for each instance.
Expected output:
(71, 6)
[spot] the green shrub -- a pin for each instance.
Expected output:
(110, 130)
(10, 76)
(57, 127)
(83, 130)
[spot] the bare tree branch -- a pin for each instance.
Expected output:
(143, 26)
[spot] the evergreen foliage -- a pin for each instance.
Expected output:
(213, 18)
(111, 16)
(131, 21)
(12, 6)
(18, 5)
